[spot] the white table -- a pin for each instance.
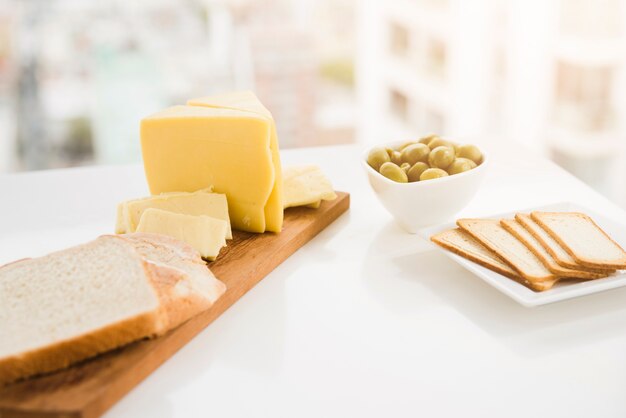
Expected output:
(365, 320)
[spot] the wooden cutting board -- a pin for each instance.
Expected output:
(90, 388)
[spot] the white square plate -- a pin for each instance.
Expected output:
(562, 290)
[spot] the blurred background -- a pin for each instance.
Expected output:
(76, 76)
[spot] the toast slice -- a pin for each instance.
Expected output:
(463, 244)
(582, 238)
(519, 232)
(555, 249)
(492, 235)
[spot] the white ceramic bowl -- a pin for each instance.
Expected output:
(424, 203)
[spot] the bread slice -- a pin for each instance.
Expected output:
(74, 304)
(583, 239)
(559, 254)
(463, 244)
(188, 287)
(519, 232)
(492, 235)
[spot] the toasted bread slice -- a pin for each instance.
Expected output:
(493, 236)
(463, 244)
(519, 232)
(555, 249)
(583, 239)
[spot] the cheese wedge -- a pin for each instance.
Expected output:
(247, 101)
(202, 202)
(207, 235)
(188, 148)
(306, 186)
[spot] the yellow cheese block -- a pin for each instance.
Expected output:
(202, 202)
(188, 148)
(205, 234)
(247, 101)
(306, 186)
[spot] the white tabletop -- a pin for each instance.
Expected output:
(365, 320)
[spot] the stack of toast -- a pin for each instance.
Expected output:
(537, 249)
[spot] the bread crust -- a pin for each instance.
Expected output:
(619, 264)
(525, 220)
(439, 239)
(465, 224)
(561, 272)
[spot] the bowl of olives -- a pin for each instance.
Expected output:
(426, 181)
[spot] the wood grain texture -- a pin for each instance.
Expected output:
(88, 389)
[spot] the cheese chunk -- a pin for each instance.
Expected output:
(247, 101)
(205, 234)
(188, 148)
(202, 202)
(306, 186)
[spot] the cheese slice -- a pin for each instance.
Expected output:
(202, 202)
(188, 148)
(205, 234)
(247, 101)
(306, 186)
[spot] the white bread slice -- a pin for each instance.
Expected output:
(559, 254)
(519, 232)
(582, 238)
(194, 289)
(492, 235)
(74, 304)
(461, 243)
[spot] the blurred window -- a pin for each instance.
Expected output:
(398, 39)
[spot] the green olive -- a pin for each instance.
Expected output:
(416, 171)
(414, 153)
(460, 165)
(471, 152)
(433, 173)
(393, 172)
(406, 144)
(438, 142)
(426, 139)
(441, 157)
(377, 157)
(396, 158)
(405, 167)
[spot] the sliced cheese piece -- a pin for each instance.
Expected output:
(205, 234)
(306, 186)
(202, 202)
(188, 148)
(247, 101)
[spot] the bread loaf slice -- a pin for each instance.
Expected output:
(583, 239)
(74, 304)
(559, 254)
(461, 243)
(492, 235)
(186, 284)
(519, 232)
